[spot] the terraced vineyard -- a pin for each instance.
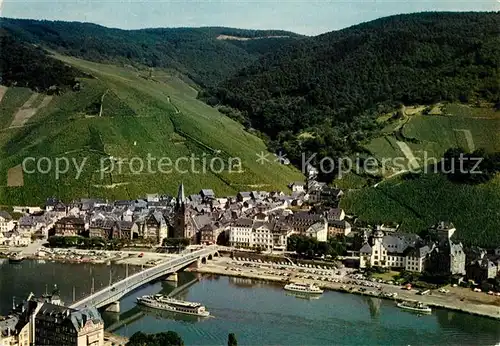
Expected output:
(420, 202)
(427, 137)
(119, 115)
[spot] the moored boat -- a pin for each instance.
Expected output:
(306, 296)
(170, 315)
(16, 259)
(303, 288)
(415, 307)
(161, 302)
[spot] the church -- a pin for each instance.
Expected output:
(180, 224)
(395, 250)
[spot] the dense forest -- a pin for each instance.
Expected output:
(169, 338)
(322, 94)
(195, 52)
(470, 168)
(29, 66)
(304, 94)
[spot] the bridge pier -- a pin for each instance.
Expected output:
(114, 307)
(172, 277)
(114, 293)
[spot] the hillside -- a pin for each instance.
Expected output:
(195, 52)
(327, 91)
(403, 88)
(23, 65)
(419, 203)
(123, 115)
(414, 142)
(421, 134)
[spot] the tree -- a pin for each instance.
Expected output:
(31, 67)
(300, 90)
(180, 243)
(311, 247)
(231, 340)
(336, 246)
(138, 339)
(169, 338)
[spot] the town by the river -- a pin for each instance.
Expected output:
(256, 311)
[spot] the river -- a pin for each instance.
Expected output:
(257, 312)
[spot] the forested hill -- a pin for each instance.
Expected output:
(24, 65)
(324, 91)
(196, 52)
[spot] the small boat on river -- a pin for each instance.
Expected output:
(415, 307)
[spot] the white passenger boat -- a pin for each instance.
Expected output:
(306, 296)
(161, 302)
(303, 288)
(415, 307)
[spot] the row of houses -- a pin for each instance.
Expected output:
(16, 233)
(45, 321)
(439, 254)
(270, 231)
(202, 217)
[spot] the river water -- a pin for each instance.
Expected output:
(257, 312)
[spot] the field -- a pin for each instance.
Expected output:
(429, 136)
(389, 276)
(123, 135)
(420, 202)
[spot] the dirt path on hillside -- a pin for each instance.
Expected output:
(468, 138)
(177, 111)
(107, 74)
(15, 176)
(26, 112)
(102, 102)
(112, 186)
(390, 177)
(45, 102)
(412, 161)
(3, 90)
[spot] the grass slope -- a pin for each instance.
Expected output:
(429, 136)
(159, 117)
(195, 52)
(11, 101)
(421, 202)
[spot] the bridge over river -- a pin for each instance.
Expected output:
(111, 295)
(138, 311)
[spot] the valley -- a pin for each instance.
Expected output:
(157, 93)
(140, 116)
(416, 202)
(355, 150)
(423, 138)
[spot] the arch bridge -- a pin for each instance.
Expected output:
(111, 295)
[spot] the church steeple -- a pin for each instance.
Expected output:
(180, 215)
(181, 198)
